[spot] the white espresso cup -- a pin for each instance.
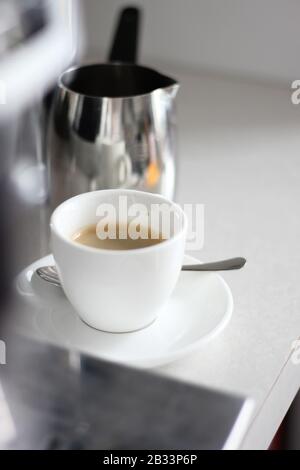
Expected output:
(116, 290)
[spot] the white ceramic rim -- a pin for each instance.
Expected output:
(181, 232)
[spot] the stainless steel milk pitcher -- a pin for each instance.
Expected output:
(113, 125)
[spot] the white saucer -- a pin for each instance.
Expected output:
(200, 307)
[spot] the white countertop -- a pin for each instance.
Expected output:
(240, 156)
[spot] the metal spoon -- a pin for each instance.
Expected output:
(49, 273)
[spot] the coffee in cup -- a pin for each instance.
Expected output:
(119, 289)
(88, 236)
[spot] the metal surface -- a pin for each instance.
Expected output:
(31, 57)
(113, 125)
(224, 265)
(19, 20)
(98, 140)
(52, 398)
(49, 274)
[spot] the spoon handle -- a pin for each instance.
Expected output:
(225, 265)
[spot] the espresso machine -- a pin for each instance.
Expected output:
(35, 47)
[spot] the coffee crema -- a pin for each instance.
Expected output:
(88, 236)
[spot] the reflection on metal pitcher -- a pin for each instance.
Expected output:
(113, 126)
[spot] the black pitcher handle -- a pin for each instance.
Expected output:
(125, 43)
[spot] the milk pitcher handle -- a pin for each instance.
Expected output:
(126, 38)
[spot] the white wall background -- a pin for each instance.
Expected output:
(255, 38)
